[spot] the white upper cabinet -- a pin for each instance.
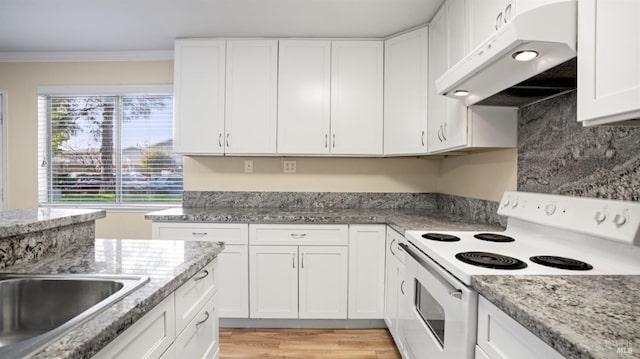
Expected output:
(356, 97)
(608, 61)
(405, 93)
(457, 33)
(244, 121)
(447, 123)
(487, 16)
(251, 100)
(199, 89)
(304, 97)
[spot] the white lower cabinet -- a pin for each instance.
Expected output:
(233, 282)
(163, 332)
(305, 282)
(148, 338)
(394, 286)
(292, 275)
(366, 271)
(322, 282)
(200, 337)
(274, 281)
(501, 337)
(233, 262)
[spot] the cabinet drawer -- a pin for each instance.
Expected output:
(229, 233)
(148, 338)
(501, 337)
(200, 337)
(298, 234)
(194, 293)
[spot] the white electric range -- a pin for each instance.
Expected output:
(545, 235)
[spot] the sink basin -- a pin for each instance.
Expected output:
(34, 309)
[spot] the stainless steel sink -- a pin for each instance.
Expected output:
(34, 309)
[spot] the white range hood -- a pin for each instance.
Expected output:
(548, 28)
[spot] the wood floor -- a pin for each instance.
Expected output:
(307, 343)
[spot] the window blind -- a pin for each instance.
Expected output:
(108, 149)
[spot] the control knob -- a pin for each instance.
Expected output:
(514, 204)
(619, 220)
(550, 209)
(600, 217)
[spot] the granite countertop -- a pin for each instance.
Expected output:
(168, 264)
(400, 220)
(580, 316)
(27, 220)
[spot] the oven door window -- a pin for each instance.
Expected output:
(430, 311)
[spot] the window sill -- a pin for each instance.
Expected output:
(131, 207)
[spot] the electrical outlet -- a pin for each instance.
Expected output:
(248, 166)
(289, 166)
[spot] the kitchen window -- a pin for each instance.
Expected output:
(107, 146)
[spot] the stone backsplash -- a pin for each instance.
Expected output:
(558, 155)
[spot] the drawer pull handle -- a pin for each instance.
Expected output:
(298, 235)
(203, 276)
(206, 314)
(391, 247)
(199, 234)
(402, 287)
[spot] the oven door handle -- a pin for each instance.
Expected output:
(453, 291)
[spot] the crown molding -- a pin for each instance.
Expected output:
(86, 56)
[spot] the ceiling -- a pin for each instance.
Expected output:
(152, 25)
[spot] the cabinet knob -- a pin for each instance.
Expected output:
(333, 141)
(422, 138)
(220, 140)
(326, 139)
(498, 20)
(227, 140)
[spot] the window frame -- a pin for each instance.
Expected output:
(95, 90)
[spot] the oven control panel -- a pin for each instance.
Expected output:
(614, 220)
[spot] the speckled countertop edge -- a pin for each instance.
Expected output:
(91, 336)
(28, 220)
(580, 316)
(399, 220)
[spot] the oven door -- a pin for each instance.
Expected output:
(440, 315)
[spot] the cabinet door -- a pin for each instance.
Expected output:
(391, 284)
(366, 271)
(199, 82)
(356, 97)
(233, 282)
(456, 31)
(323, 282)
(304, 85)
(273, 278)
(608, 58)
(405, 93)
(447, 127)
(199, 340)
(251, 97)
(486, 16)
(438, 63)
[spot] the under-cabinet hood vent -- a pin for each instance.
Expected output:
(546, 32)
(553, 82)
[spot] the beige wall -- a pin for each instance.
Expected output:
(471, 175)
(481, 175)
(313, 174)
(20, 81)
